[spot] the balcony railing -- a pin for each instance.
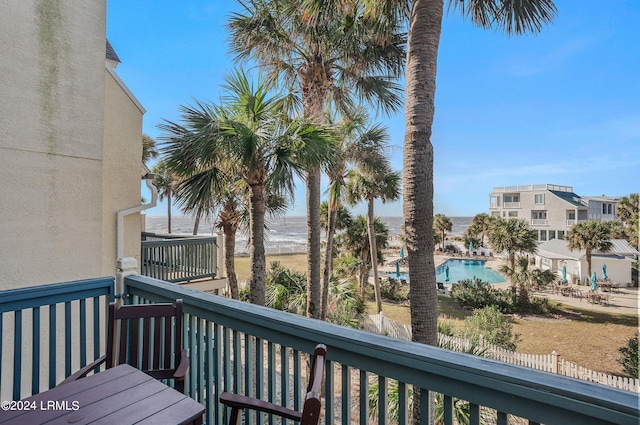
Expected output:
(235, 346)
(178, 258)
(511, 205)
(64, 320)
(539, 222)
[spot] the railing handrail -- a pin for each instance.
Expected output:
(37, 296)
(539, 396)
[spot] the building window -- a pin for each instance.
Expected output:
(604, 208)
(513, 214)
(572, 216)
(552, 234)
(543, 235)
(495, 213)
(538, 199)
(610, 209)
(539, 215)
(560, 234)
(511, 198)
(504, 213)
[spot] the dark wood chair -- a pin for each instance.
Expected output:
(310, 410)
(147, 337)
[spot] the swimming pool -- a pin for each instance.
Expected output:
(461, 269)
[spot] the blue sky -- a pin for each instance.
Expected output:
(560, 107)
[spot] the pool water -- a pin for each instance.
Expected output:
(461, 269)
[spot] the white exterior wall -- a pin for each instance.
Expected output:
(51, 143)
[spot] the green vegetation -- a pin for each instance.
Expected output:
(490, 325)
(629, 357)
(478, 294)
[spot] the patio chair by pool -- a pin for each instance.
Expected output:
(310, 410)
(161, 342)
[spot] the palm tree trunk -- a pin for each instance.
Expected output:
(588, 258)
(257, 258)
(313, 97)
(422, 52)
(328, 258)
(169, 212)
(373, 248)
(313, 243)
(229, 258)
(196, 223)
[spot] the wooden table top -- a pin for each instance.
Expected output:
(120, 395)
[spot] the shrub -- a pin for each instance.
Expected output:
(490, 325)
(446, 327)
(629, 356)
(392, 289)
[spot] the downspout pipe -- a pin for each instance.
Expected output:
(148, 178)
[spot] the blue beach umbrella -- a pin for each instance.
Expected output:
(604, 272)
(594, 281)
(397, 268)
(446, 274)
(470, 247)
(564, 274)
(402, 252)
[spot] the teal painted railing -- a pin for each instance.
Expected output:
(178, 258)
(48, 332)
(235, 346)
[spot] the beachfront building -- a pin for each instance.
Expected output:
(550, 209)
(70, 151)
(554, 254)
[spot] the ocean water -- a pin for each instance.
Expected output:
(283, 235)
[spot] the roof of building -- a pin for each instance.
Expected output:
(569, 197)
(559, 249)
(111, 53)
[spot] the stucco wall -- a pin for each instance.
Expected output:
(122, 170)
(51, 149)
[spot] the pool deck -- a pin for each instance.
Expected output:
(625, 301)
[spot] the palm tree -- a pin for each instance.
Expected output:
(250, 136)
(334, 61)
(482, 222)
(591, 235)
(513, 236)
(368, 185)
(443, 224)
(165, 180)
(526, 277)
(149, 149)
(332, 218)
(356, 239)
(363, 146)
(628, 212)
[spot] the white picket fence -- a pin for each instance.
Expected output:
(547, 362)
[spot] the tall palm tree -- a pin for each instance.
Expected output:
(377, 183)
(362, 145)
(513, 236)
(591, 235)
(165, 180)
(249, 135)
(443, 224)
(335, 61)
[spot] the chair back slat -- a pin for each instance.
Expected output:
(157, 351)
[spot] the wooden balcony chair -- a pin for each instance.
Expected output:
(148, 337)
(310, 410)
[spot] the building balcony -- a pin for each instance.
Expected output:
(511, 205)
(539, 222)
(244, 348)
